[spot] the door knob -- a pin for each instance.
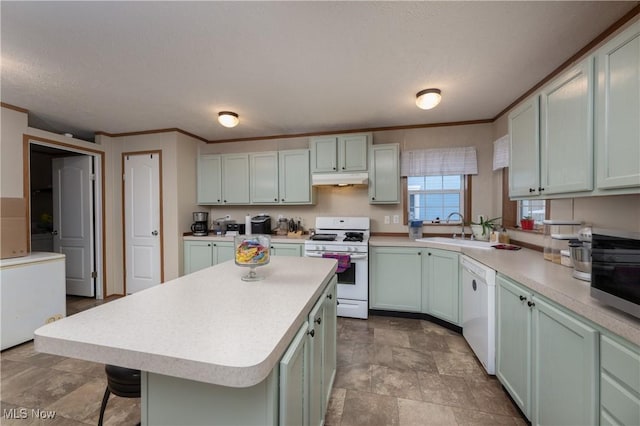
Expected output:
(154, 233)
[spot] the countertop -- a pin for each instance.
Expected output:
(33, 257)
(274, 238)
(549, 279)
(208, 326)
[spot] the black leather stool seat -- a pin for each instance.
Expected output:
(121, 381)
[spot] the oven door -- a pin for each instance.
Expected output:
(353, 282)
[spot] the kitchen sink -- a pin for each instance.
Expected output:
(456, 242)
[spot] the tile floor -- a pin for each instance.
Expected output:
(391, 371)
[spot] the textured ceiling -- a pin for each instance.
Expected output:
(285, 67)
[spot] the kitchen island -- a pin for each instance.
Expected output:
(209, 344)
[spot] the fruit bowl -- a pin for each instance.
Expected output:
(252, 251)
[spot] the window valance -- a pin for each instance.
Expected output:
(501, 152)
(440, 161)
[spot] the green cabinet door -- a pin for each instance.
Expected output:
(384, 174)
(223, 251)
(617, 111)
(295, 177)
(197, 255)
(566, 136)
(209, 179)
(330, 343)
(441, 285)
(284, 249)
(316, 349)
(565, 368)
(324, 154)
(352, 153)
(235, 179)
(619, 382)
(293, 381)
(524, 132)
(263, 177)
(513, 341)
(395, 278)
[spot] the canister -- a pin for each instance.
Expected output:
(415, 229)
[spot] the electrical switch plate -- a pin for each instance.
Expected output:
(386, 220)
(396, 218)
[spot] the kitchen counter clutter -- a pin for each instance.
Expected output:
(551, 280)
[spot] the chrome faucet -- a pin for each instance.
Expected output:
(461, 222)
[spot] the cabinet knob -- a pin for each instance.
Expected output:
(531, 304)
(373, 198)
(208, 245)
(522, 298)
(419, 253)
(334, 168)
(225, 201)
(429, 253)
(329, 296)
(540, 189)
(532, 190)
(311, 333)
(214, 245)
(218, 199)
(283, 199)
(343, 168)
(275, 199)
(318, 320)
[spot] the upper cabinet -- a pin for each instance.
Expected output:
(264, 177)
(583, 126)
(209, 179)
(618, 111)
(294, 177)
(384, 174)
(566, 132)
(235, 179)
(346, 153)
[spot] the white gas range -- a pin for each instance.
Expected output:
(347, 240)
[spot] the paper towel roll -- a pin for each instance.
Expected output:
(247, 224)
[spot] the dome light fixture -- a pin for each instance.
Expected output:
(428, 98)
(228, 118)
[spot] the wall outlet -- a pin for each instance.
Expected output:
(396, 218)
(386, 220)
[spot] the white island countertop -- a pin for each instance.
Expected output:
(208, 326)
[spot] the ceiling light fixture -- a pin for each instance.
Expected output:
(228, 118)
(428, 98)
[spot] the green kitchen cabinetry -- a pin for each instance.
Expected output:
(209, 179)
(280, 177)
(202, 254)
(546, 357)
(619, 382)
(384, 174)
(524, 132)
(566, 131)
(395, 278)
(618, 111)
(308, 367)
(286, 249)
(264, 177)
(295, 177)
(340, 153)
(235, 179)
(441, 284)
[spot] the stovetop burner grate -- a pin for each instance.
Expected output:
(324, 237)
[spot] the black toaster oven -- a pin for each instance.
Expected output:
(615, 269)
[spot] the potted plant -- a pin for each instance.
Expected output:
(526, 223)
(482, 229)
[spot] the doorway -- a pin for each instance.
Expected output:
(66, 213)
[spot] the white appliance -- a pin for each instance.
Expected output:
(479, 310)
(340, 237)
(32, 293)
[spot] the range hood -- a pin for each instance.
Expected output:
(339, 179)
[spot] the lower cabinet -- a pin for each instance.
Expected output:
(284, 249)
(619, 382)
(546, 358)
(308, 367)
(410, 279)
(202, 254)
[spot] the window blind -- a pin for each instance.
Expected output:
(440, 161)
(501, 153)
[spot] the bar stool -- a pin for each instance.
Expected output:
(124, 382)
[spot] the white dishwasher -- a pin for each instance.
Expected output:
(479, 310)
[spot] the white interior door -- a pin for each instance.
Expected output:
(142, 221)
(73, 233)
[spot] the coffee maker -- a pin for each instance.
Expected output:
(200, 227)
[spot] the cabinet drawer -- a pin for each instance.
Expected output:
(619, 405)
(621, 363)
